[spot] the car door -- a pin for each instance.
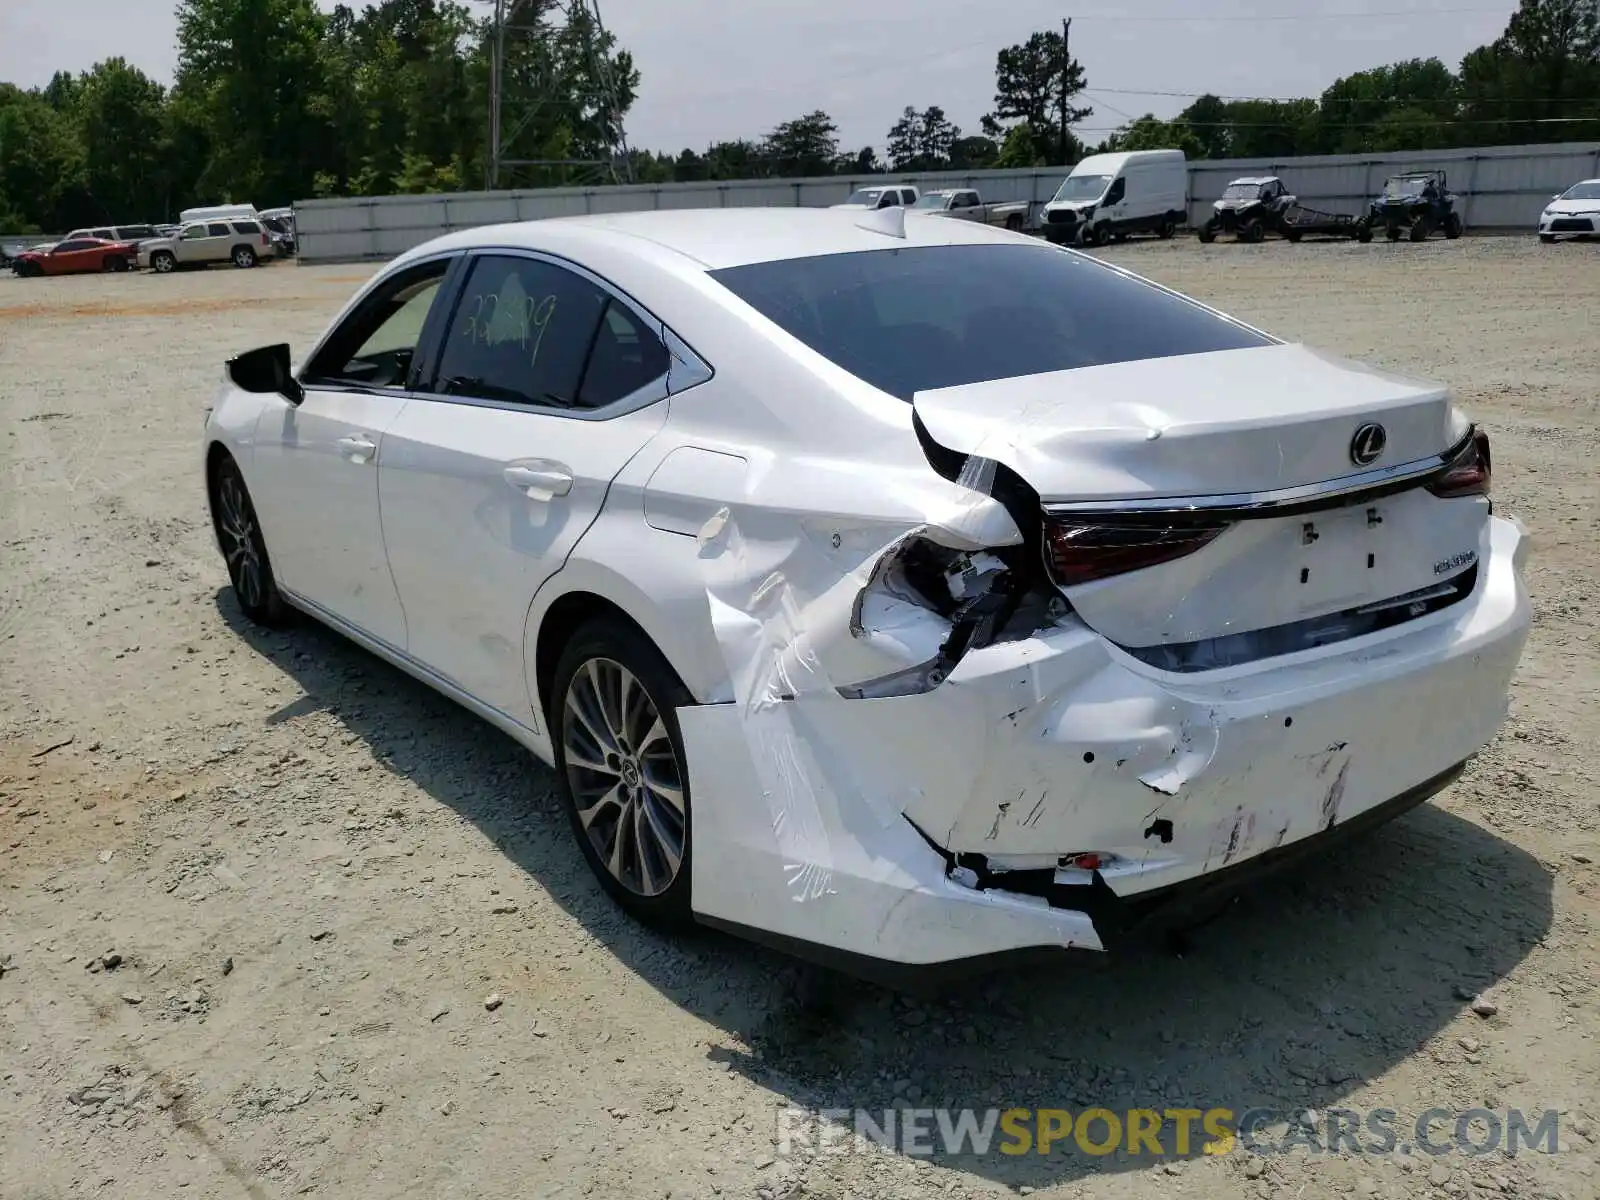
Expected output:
(68, 257)
(314, 473)
(547, 384)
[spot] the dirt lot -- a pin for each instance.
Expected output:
(254, 890)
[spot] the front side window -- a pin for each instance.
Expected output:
(928, 317)
(193, 232)
(1119, 189)
(375, 345)
(521, 333)
(865, 196)
(72, 245)
(934, 201)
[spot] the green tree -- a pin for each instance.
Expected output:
(805, 146)
(922, 141)
(41, 165)
(254, 69)
(121, 114)
(1035, 85)
(1538, 81)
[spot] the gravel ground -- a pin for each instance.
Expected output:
(255, 889)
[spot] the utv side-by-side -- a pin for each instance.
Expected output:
(1415, 203)
(1249, 208)
(1254, 206)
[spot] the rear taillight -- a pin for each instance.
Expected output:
(265, 240)
(1082, 550)
(1468, 474)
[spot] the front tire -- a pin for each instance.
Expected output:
(162, 262)
(244, 550)
(1253, 231)
(1167, 228)
(619, 755)
(1547, 239)
(1207, 233)
(244, 257)
(1420, 229)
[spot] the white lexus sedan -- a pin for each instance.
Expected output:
(1574, 213)
(892, 590)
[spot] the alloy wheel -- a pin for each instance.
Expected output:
(237, 523)
(624, 775)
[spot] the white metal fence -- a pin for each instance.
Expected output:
(1499, 187)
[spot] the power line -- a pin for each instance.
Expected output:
(1287, 18)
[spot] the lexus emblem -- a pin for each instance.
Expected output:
(1366, 447)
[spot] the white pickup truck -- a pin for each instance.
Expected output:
(964, 204)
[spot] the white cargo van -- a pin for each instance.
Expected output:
(1113, 195)
(220, 212)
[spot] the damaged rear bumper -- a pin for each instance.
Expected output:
(944, 827)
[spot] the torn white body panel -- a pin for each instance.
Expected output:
(887, 894)
(1037, 750)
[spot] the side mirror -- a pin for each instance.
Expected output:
(265, 371)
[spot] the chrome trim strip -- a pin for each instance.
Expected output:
(1245, 505)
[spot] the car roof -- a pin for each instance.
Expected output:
(715, 238)
(1253, 179)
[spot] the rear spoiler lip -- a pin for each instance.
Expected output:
(1343, 492)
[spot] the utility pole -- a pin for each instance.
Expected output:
(1066, 68)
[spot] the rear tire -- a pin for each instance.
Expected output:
(244, 257)
(1014, 223)
(1364, 232)
(244, 550)
(162, 262)
(624, 779)
(1207, 233)
(1453, 226)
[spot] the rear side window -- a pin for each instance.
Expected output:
(246, 227)
(929, 317)
(626, 356)
(217, 230)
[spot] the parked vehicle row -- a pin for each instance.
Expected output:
(236, 234)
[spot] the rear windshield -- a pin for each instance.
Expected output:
(930, 317)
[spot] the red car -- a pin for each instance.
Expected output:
(76, 257)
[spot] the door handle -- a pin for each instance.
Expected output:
(357, 448)
(539, 480)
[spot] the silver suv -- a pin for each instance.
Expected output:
(244, 243)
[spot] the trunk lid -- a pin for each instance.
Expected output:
(1256, 419)
(1117, 439)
